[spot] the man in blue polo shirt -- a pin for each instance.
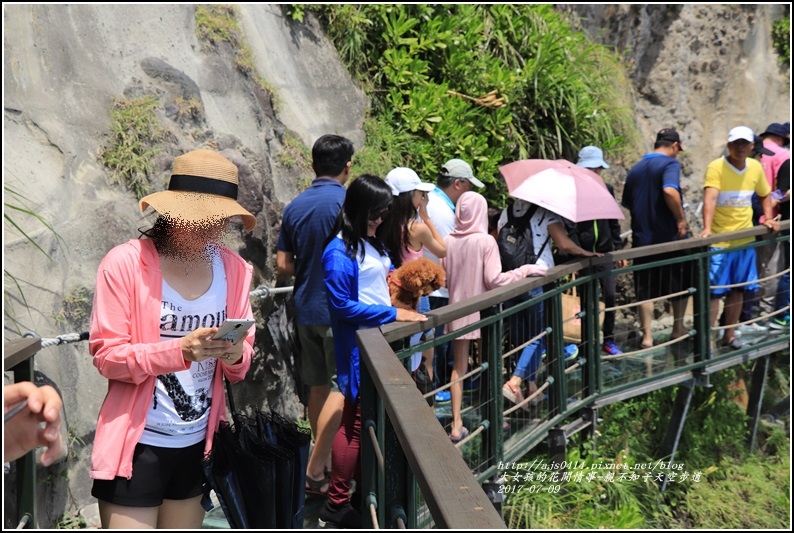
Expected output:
(305, 224)
(653, 196)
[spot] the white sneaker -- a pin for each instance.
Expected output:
(753, 329)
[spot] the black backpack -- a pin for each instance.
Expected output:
(515, 240)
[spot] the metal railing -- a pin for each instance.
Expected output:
(18, 358)
(427, 481)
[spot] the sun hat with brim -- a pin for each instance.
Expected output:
(202, 190)
(402, 179)
(759, 149)
(591, 157)
(778, 129)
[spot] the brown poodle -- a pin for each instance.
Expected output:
(414, 279)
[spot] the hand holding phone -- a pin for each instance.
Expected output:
(234, 330)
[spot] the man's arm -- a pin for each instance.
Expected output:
(564, 242)
(709, 207)
(770, 220)
(672, 197)
(285, 263)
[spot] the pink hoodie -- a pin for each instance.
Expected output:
(125, 344)
(772, 164)
(472, 263)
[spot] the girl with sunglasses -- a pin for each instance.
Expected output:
(356, 264)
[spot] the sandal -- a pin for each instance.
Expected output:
(513, 393)
(463, 433)
(315, 486)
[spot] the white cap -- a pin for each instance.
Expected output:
(741, 132)
(458, 168)
(591, 157)
(402, 179)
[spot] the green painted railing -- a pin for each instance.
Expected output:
(414, 476)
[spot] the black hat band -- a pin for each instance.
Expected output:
(201, 184)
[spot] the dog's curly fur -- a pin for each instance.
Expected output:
(414, 279)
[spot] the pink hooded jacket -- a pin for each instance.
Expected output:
(472, 263)
(125, 344)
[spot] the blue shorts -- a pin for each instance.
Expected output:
(732, 267)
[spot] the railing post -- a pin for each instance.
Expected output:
(554, 354)
(702, 306)
(371, 478)
(675, 427)
(491, 387)
(399, 479)
(18, 358)
(591, 334)
(757, 387)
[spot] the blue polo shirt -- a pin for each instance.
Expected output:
(643, 195)
(306, 223)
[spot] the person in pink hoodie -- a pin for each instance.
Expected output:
(158, 302)
(473, 266)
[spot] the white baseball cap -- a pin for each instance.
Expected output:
(741, 132)
(402, 179)
(458, 168)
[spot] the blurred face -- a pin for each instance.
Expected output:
(417, 198)
(465, 185)
(375, 219)
(740, 149)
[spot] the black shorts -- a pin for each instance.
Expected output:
(157, 474)
(662, 280)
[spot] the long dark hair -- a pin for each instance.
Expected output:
(367, 194)
(394, 229)
(159, 233)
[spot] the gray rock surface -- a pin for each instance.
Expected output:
(64, 65)
(702, 68)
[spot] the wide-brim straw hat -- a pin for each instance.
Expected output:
(202, 190)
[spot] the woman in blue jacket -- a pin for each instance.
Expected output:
(356, 264)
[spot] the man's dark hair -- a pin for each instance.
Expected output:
(667, 137)
(445, 181)
(330, 154)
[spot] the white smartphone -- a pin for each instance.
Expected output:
(234, 330)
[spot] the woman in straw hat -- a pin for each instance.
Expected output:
(158, 302)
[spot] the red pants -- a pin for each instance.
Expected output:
(346, 454)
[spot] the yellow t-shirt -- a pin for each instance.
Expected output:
(734, 202)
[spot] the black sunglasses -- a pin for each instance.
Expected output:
(380, 214)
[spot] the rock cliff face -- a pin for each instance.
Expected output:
(64, 67)
(701, 68)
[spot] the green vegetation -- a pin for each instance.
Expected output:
(726, 486)
(217, 23)
(76, 308)
(487, 83)
(135, 133)
(586, 501)
(781, 39)
(16, 204)
(753, 493)
(295, 156)
(71, 521)
(188, 108)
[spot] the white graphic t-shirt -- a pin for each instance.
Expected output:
(180, 407)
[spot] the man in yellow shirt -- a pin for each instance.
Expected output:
(727, 206)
